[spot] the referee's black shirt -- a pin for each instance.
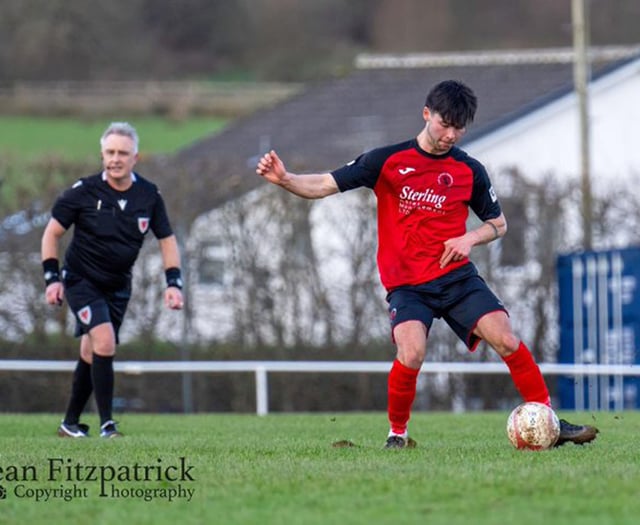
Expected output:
(110, 227)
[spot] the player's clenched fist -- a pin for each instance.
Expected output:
(54, 293)
(271, 167)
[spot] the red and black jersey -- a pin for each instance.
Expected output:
(423, 200)
(109, 227)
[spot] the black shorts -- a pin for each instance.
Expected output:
(92, 305)
(460, 297)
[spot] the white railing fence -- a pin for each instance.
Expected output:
(262, 368)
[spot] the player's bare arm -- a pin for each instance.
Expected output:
(53, 232)
(490, 230)
(458, 248)
(309, 186)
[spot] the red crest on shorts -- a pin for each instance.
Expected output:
(143, 224)
(84, 315)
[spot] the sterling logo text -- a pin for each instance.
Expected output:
(428, 197)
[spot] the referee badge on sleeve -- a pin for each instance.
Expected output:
(143, 224)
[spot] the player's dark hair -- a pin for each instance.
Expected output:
(454, 101)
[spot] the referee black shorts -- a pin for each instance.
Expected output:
(92, 305)
(460, 298)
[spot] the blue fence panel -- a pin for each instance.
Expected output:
(599, 323)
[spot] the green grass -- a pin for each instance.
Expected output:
(45, 154)
(282, 469)
(30, 137)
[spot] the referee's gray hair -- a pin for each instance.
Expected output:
(121, 128)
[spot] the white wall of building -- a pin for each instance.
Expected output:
(547, 140)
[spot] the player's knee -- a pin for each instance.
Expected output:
(411, 357)
(86, 354)
(411, 342)
(507, 344)
(104, 348)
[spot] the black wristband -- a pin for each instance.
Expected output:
(174, 277)
(51, 271)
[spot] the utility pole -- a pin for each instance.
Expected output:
(185, 353)
(581, 75)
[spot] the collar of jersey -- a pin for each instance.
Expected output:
(133, 176)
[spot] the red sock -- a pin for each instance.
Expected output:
(526, 376)
(401, 393)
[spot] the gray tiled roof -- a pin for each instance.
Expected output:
(329, 123)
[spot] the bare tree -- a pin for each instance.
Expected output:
(277, 295)
(27, 191)
(74, 39)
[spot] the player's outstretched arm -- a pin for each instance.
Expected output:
(309, 186)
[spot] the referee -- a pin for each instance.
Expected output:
(111, 212)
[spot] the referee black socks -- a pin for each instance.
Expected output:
(103, 380)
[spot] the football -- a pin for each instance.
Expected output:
(533, 426)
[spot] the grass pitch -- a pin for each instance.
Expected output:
(245, 469)
(74, 139)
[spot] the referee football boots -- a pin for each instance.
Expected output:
(109, 430)
(578, 434)
(76, 430)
